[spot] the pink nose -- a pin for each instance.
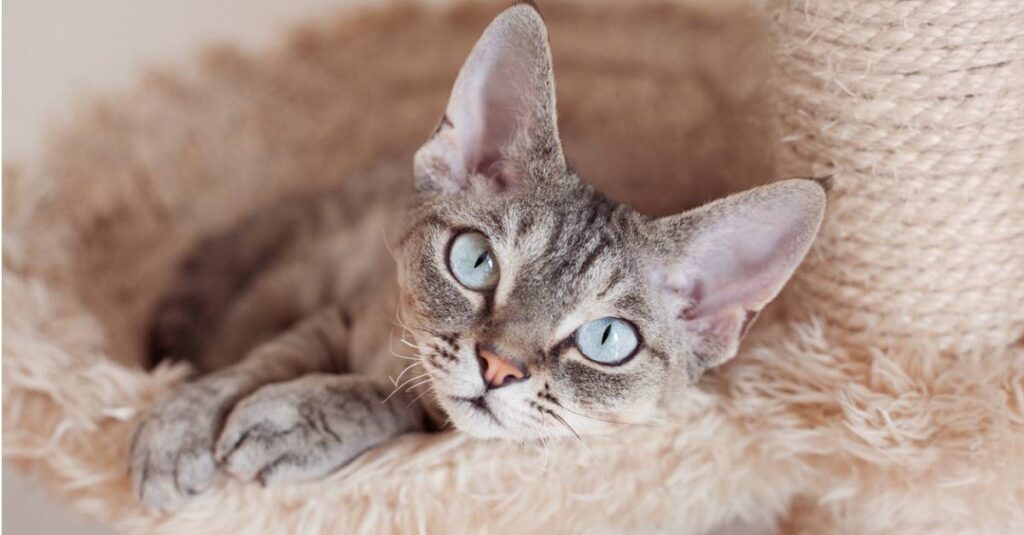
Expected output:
(498, 372)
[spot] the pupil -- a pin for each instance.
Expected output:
(480, 259)
(607, 332)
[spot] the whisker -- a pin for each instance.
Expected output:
(407, 381)
(402, 323)
(404, 357)
(614, 422)
(425, 375)
(391, 343)
(417, 398)
(567, 426)
(544, 444)
(397, 322)
(391, 349)
(387, 245)
(417, 385)
(391, 319)
(394, 380)
(590, 452)
(410, 344)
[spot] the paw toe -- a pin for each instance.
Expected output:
(280, 470)
(254, 449)
(155, 485)
(170, 462)
(161, 496)
(195, 471)
(245, 462)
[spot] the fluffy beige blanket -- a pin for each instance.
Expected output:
(662, 106)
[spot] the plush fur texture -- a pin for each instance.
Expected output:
(828, 438)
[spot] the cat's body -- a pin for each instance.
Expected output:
(312, 283)
(502, 295)
(319, 249)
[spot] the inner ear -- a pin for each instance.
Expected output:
(730, 258)
(500, 122)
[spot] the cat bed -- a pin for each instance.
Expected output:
(884, 393)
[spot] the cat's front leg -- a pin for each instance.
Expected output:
(309, 427)
(172, 452)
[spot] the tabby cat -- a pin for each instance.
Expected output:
(529, 305)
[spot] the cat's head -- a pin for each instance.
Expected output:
(537, 304)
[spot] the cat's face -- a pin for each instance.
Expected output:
(541, 308)
(552, 284)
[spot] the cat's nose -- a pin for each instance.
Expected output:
(497, 371)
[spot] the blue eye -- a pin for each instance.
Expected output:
(607, 340)
(472, 262)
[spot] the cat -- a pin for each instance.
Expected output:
(532, 305)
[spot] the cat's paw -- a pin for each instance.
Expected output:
(294, 431)
(172, 450)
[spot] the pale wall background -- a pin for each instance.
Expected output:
(58, 52)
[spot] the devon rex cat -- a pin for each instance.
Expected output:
(534, 306)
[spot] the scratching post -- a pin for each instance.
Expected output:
(917, 109)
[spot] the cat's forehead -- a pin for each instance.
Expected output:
(565, 211)
(554, 246)
(558, 249)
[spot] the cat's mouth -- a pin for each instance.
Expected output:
(480, 405)
(475, 416)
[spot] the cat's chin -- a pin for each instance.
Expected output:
(477, 421)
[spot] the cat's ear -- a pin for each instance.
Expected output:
(500, 126)
(720, 264)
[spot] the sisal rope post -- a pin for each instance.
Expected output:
(917, 110)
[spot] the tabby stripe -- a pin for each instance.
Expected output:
(498, 224)
(616, 278)
(556, 233)
(595, 209)
(524, 227)
(634, 305)
(660, 356)
(588, 262)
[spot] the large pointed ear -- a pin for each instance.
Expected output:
(720, 264)
(500, 126)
